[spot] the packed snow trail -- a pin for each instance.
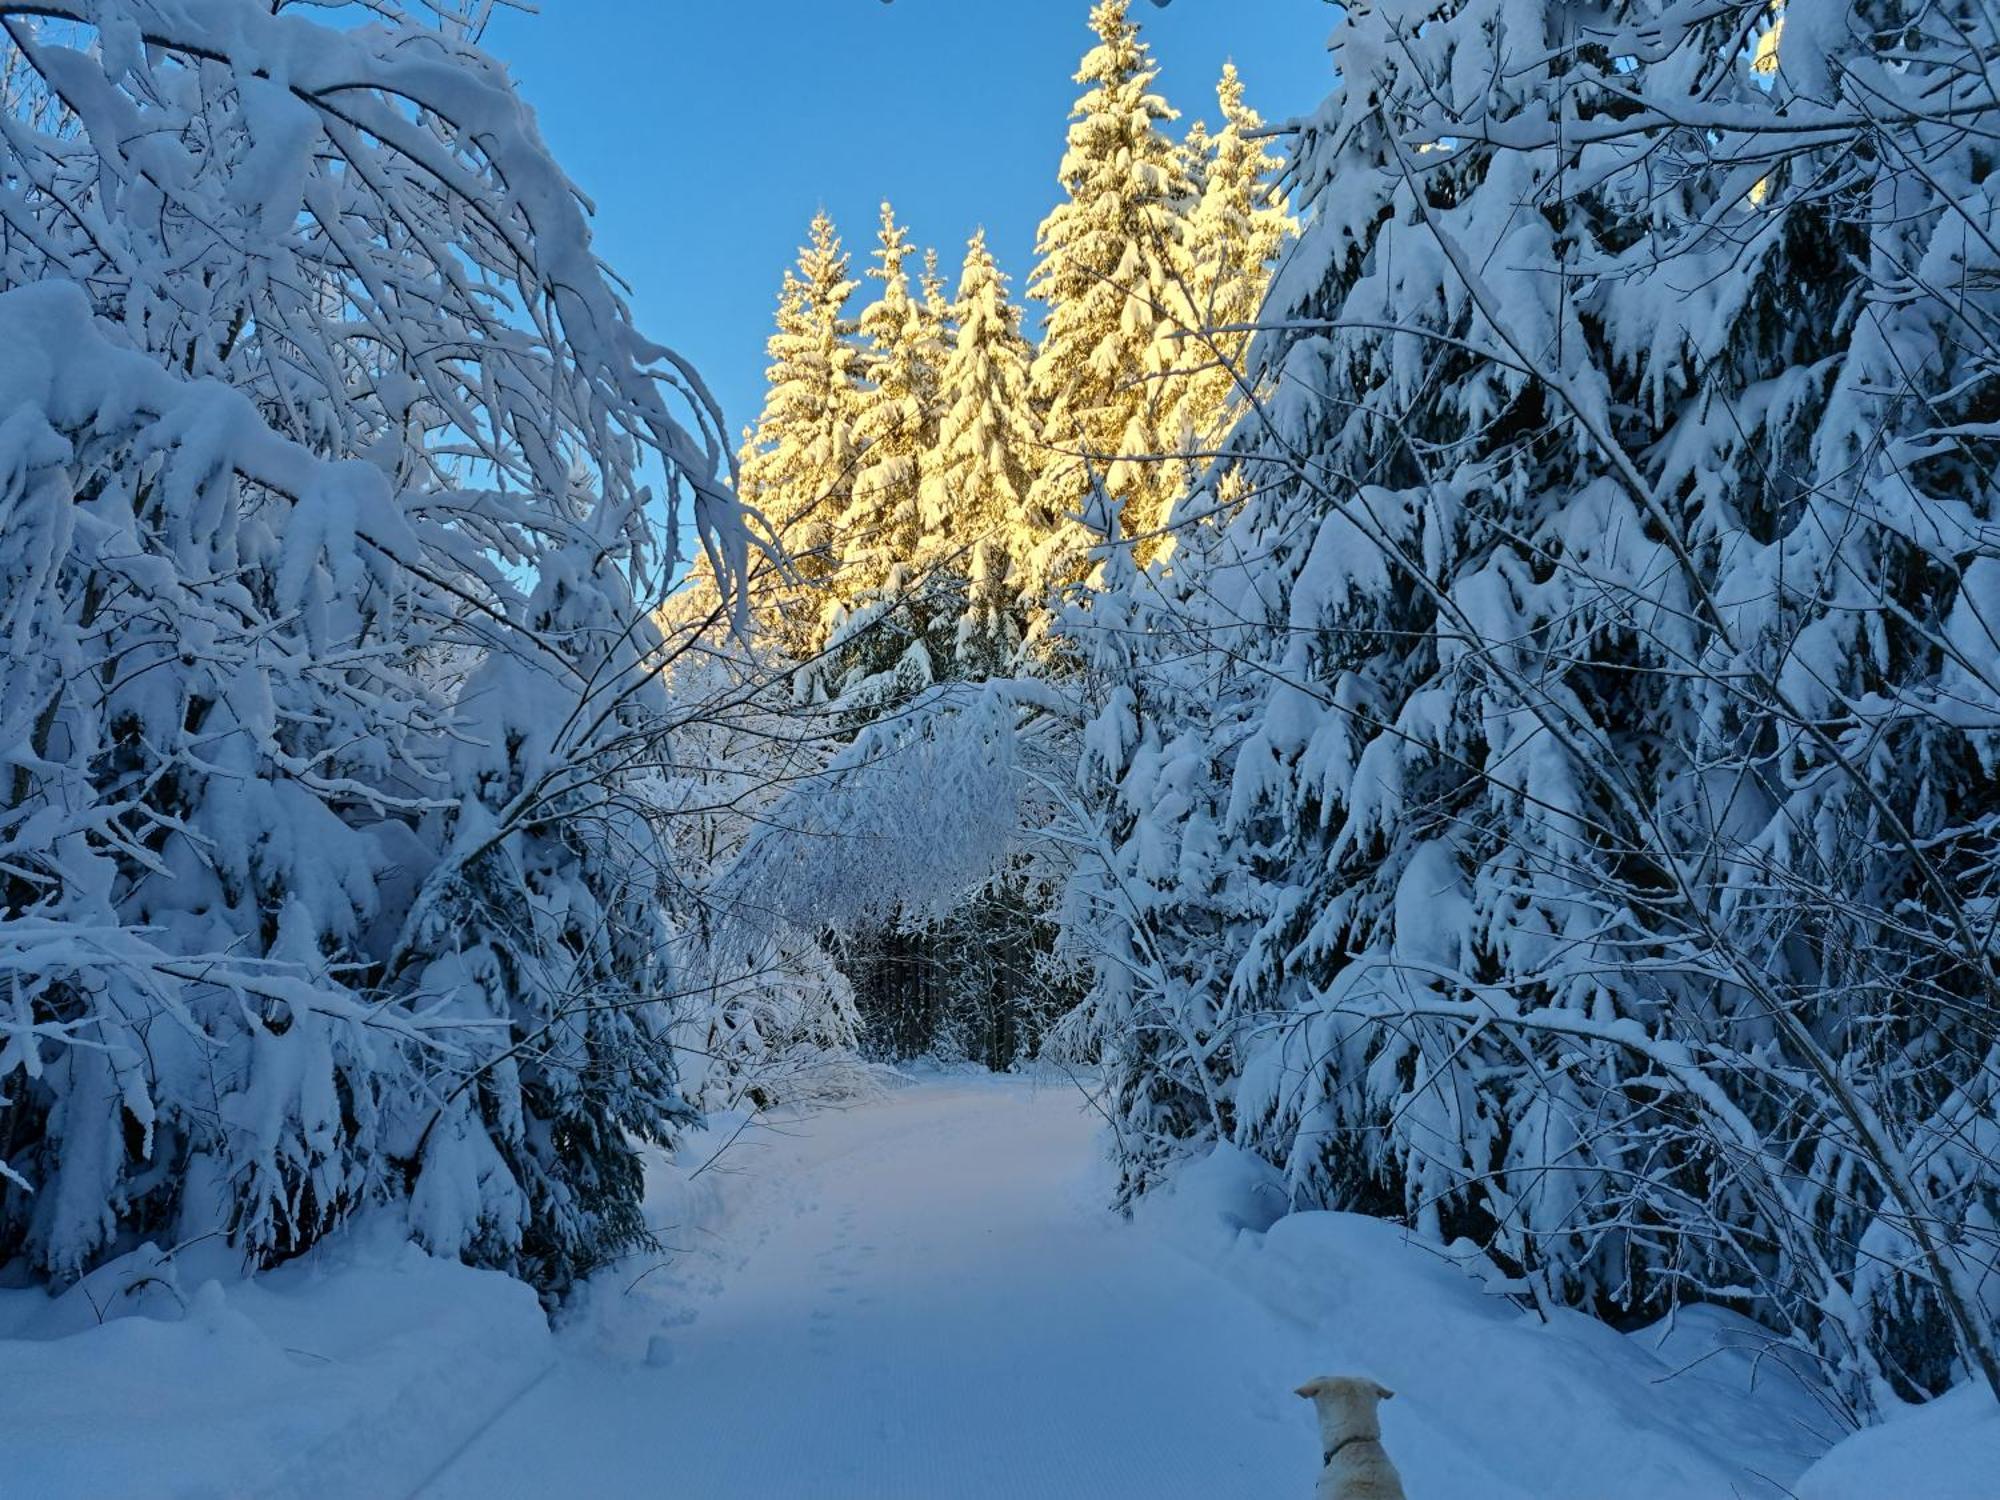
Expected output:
(919, 1297)
(923, 1297)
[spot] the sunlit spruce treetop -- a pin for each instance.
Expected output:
(1106, 275)
(798, 465)
(897, 425)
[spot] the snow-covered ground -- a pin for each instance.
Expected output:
(338, 1378)
(922, 1296)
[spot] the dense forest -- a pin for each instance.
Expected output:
(1446, 647)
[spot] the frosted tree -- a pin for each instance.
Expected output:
(1590, 802)
(976, 505)
(897, 423)
(547, 911)
(1106, 260)
(799, 463)
(1196, 147)
(320, 661)
(935, 291)
(1238, 226)
(769, 1018)
(1147, 903)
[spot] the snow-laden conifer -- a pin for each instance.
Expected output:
(1590, 819)
(799, 462)
(1237, 228)
(934, 292)
(896, 423)
(976, 508)
(1106, 259)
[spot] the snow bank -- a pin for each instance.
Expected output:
(1492, 1400)
(356, 1372)
(361, 1370)
(1946, 1450)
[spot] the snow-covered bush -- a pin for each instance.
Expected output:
(326, 874)
(765, 1015)
(1555, 804)
(776, 1024)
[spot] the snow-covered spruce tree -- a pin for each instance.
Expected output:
(935, 291)
(798, 464)
(1147, 910)
(975, 498)
(1596, 749)
(1197, 146)
(547, 910)
(897, 420)
(1239, 224)
(889, 615)
(316, 634)
(1105, 273)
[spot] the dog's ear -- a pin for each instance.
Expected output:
(1383, 1392)
(1311, 1389)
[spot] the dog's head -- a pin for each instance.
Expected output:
(1347, 1404)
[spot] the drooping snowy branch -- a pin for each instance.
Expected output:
(326, 851)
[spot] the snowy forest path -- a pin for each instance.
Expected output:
(921, 1296)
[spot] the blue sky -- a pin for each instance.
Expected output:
(708, 131)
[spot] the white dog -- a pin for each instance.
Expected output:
(1350, 1433)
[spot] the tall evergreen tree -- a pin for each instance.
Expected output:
(1239, 224)
(976, 499)
(799, 462)
(897, 421)
(1196, 147)
(937, 305)
(1581, 752)
(1106, 275)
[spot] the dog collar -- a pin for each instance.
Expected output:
(1329, 1455)
(1359, 1437)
